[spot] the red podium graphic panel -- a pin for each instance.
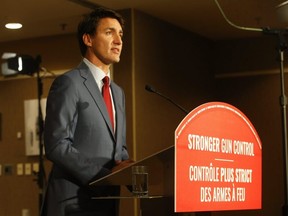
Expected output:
(218, 161)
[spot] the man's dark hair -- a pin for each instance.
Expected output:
(90, 23)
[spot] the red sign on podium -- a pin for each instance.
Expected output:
(218, 161)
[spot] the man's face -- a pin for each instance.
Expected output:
(106, 43)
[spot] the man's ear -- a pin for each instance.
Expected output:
(87, 40)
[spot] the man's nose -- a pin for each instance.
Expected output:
(118, 39)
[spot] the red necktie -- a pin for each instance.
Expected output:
(107, 99)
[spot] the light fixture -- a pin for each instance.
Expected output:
(13, 25)
(20, 64)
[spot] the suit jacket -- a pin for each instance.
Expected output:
(79, 140)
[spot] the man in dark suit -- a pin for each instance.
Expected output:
(81, 139)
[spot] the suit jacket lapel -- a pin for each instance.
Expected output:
(94, 91)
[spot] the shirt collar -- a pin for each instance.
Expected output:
(97, 73)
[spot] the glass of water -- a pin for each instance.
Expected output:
(140, 181)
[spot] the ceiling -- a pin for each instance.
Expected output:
(52, 17)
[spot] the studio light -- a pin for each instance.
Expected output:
(20, 64)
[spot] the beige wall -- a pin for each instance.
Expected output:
(179, 64)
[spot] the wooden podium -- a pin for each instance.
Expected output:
(160, 199)
(215, 165)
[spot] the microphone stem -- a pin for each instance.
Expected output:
(167, 98)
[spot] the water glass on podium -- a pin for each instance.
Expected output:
(140, 181)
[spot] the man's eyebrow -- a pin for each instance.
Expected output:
(114, 29)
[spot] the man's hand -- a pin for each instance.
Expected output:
(121, 164)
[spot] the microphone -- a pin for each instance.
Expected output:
(151, 89)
